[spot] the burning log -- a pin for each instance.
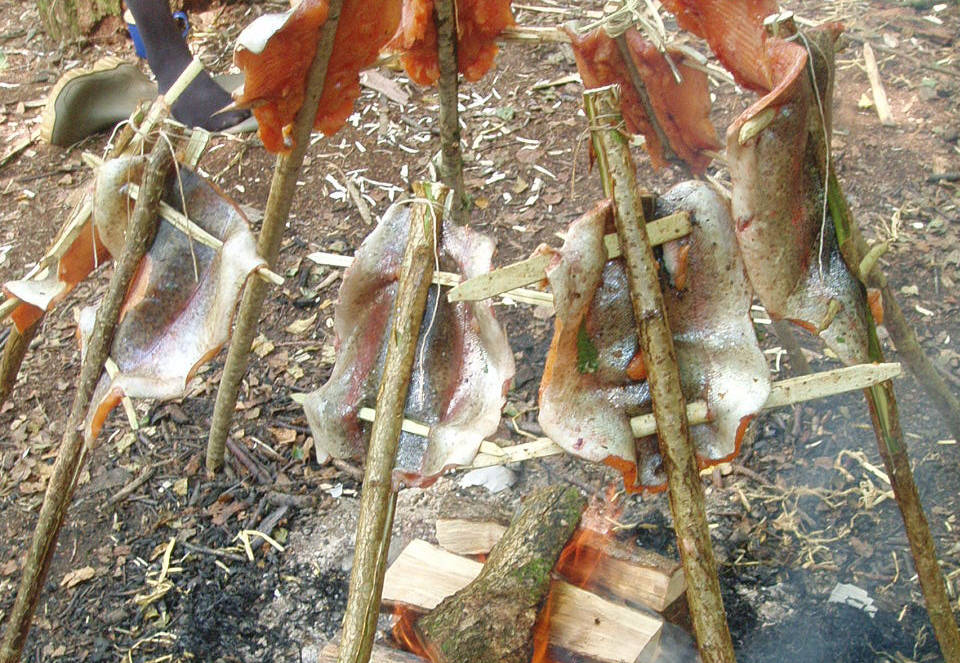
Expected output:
(492, 618)
(639, 577)
(579, 623)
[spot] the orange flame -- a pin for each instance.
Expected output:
(577, 562)
(405, 631)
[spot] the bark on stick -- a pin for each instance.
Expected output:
(618, 173)
(279, 200)
(451, 164)
(886, 425)
(14, 351)
(72, 448)
(378, 497)
(491, 620)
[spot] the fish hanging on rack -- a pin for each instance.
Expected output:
(179, 308)
(594, 380)
(461, 371)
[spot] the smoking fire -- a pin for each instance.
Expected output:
(576, 565)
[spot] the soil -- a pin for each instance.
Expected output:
(799, 511)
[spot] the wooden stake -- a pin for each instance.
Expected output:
(886, 424)
(13, 353)
(282, 188)
(72, 449)
(375, 518)
(451, 167)
(618, 173)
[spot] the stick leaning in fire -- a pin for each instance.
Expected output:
(784, 392)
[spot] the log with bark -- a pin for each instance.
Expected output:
(581, 625)
(492, 619)
(602, 564)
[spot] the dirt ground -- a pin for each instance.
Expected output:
(802, 509)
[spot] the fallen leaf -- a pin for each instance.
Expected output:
(300, 327)
(74, 578)
(283, 435)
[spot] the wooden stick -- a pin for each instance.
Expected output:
(618, 173)
(112, 370)
(886, 423)
(451, 166)
(533, 270)
(641, 89)
(185, 225)
(876, 86)
(72, 449)
(14, 351)
(282, 189)
(536, 34)
(448, 279)
(794, 390)
(374, 521)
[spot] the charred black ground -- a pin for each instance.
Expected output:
(801, 511)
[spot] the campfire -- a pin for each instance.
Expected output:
(547, 587)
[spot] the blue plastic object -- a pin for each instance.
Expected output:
(138, 48)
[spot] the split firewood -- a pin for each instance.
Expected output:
(582, 625)
(468, 537)
(468, 526)
(492, 619)
(639, 577)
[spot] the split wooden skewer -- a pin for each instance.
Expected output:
(449, 279)
(784, 392)
(510, 280)
(533, 269)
